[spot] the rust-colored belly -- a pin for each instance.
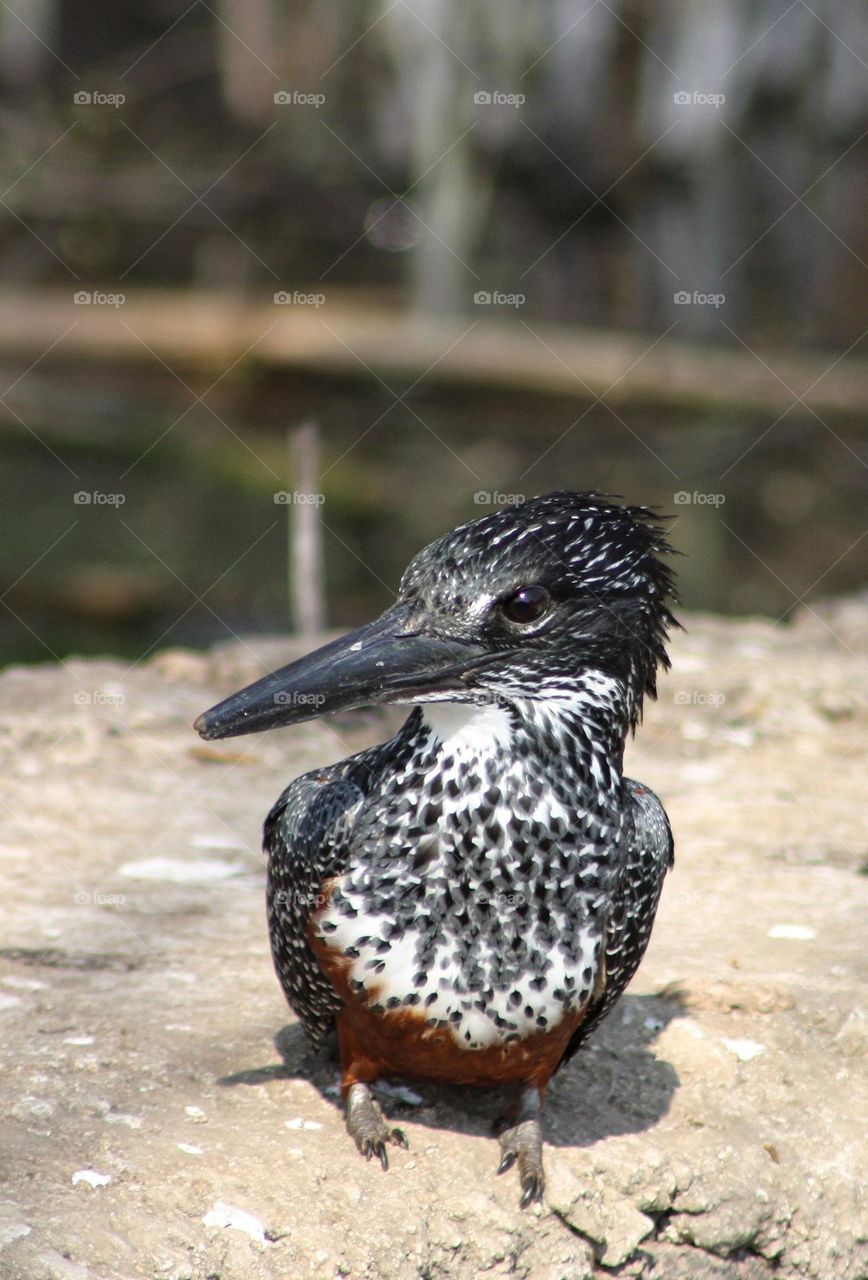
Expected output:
(403, 1042)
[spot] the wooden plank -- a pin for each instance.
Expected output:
(359, 337)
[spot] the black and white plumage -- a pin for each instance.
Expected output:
(487, 879)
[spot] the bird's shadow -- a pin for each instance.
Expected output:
(614, 1085)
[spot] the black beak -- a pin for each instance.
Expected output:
(382, 662)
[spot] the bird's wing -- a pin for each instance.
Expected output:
(308, 839)
(649, 852)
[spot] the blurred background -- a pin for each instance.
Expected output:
(484, 250)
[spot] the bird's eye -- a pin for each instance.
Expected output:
(527, 604)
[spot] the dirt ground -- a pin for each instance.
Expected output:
(163, 1118)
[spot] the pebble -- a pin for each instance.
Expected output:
(204, 840)
(91, 1178)
(744, 1050)
(798, 932)
(229, 1215)
(176, 871)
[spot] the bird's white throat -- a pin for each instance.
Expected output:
(468, 728)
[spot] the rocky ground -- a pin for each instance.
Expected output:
(162, 1120)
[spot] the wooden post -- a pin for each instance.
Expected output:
(305, 531)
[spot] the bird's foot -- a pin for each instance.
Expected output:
(367, 1128)
(521, 1142)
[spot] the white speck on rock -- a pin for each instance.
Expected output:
(189, 1148)
(118, 1117)
(91, 1178)
(14, 851)
(176, 871)
(9, 1002)
(27, 1106)
(744, 1050)
(196, 1113)
(24, 984)
(228, 1215)
(739, 737)
(78, 1040)
(14, 1231)
(399, 1092)
(799, 932)
(298, 1123)
(216, 841)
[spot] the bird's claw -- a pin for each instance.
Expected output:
(370, 1147)
(367, 1128)
(521, 1144)
(531, 1190)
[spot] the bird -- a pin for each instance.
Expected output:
(465, 902)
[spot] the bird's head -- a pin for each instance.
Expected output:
(524, 603)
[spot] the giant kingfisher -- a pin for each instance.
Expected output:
(465, 902)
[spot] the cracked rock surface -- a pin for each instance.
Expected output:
(163, 1116)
